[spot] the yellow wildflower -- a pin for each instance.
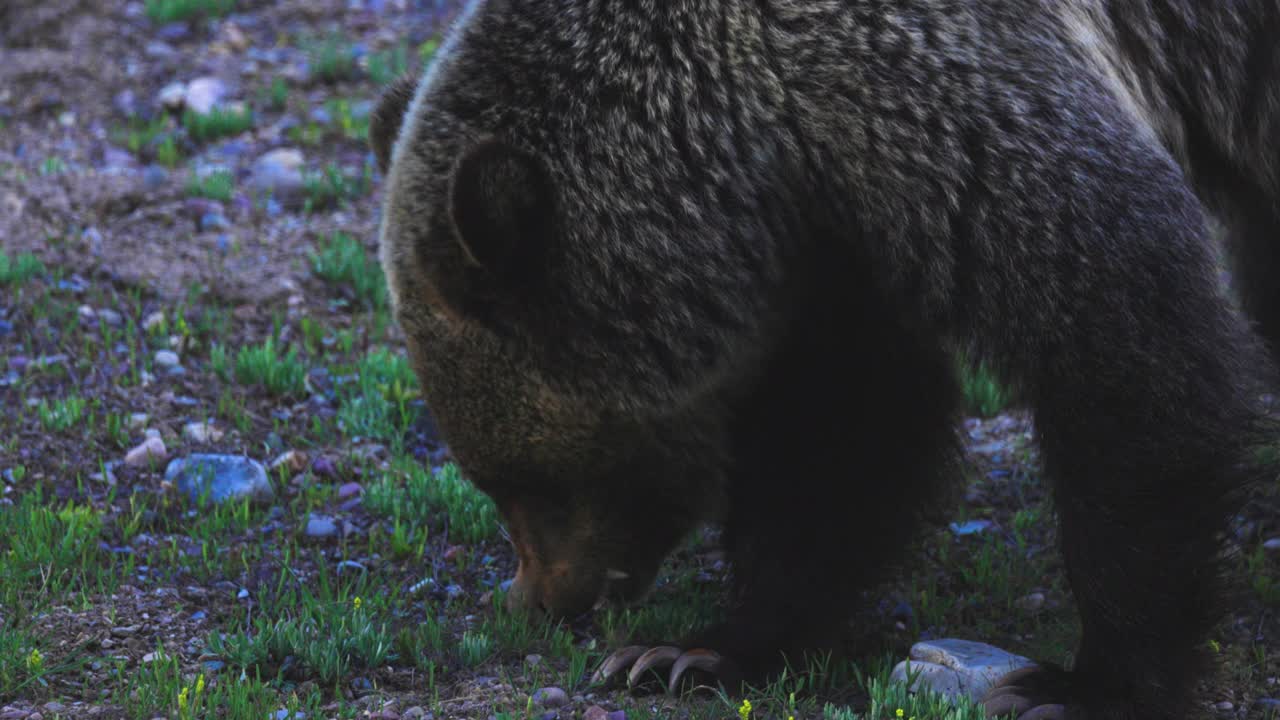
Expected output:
(182, 699)
(35, 661)
(744, 712)
(357, 602)
(200, 684)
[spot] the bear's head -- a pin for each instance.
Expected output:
(576, 302)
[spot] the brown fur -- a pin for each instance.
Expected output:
(659, 262)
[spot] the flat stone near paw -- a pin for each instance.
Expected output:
(955, 667)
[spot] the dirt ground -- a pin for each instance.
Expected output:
(99, 182)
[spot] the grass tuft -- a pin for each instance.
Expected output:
(264, 365)
(163, 12)
(218, 185)
(342, 260)
(217, 123)
(20, 269)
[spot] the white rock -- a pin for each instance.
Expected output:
(152, 320)
(201, 432)
(138, 420)
(958, 667)
(1272, 545)
(204, 94)
(151, 449)
(166, 358)
(172, 96)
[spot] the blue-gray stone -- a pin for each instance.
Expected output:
(970, 527)
(214, 221)
(321, 526)
(957, 668)
(223, 477)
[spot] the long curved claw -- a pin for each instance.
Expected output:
(654, 658)
(698, 659)
(619, 660)
(1006, 699)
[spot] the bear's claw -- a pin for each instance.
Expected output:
(1010, 696)
(641, 659)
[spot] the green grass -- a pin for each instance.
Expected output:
(166, 11)
(332, 59)
(342, 260)
(53, 165)
(266, 366)
(352, 125)
(217, 123)
(983, 394)
(332, 186)
(277, 94)
(385, 66)
(21, 661)
(218, 185)
(61, 414)
(375, 403)
(45, 552)
(415, 493)
(332, 627)
(19, 269)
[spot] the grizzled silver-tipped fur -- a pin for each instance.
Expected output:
(664, 261)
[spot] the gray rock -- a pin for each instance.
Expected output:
(1272, 545)
(214, 222)
(151, 449)
(204, 94)
(957, 667)
(278, 172)
(551, 697)
(223, 477)
(321, 526)
(166, 358)
(172, 96)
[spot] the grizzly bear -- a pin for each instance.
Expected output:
(661, 263)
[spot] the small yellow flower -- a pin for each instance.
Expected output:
(35, 661)
(200, 684)
(357, 602)
(744, 712)
(899, 713)
(182, 699)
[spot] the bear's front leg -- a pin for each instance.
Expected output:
(835, 457)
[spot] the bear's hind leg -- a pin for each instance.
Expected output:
(1144, 414)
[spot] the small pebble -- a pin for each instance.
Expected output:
(201, 432)
(1272, 545)
(172, 96)
(152, 320)
(151, 449)
(347, 490)
(321, 526)
(166, 358)
(294, 460)
(1224, 707)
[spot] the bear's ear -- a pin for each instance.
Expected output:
(502, 204)
(388, 116)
